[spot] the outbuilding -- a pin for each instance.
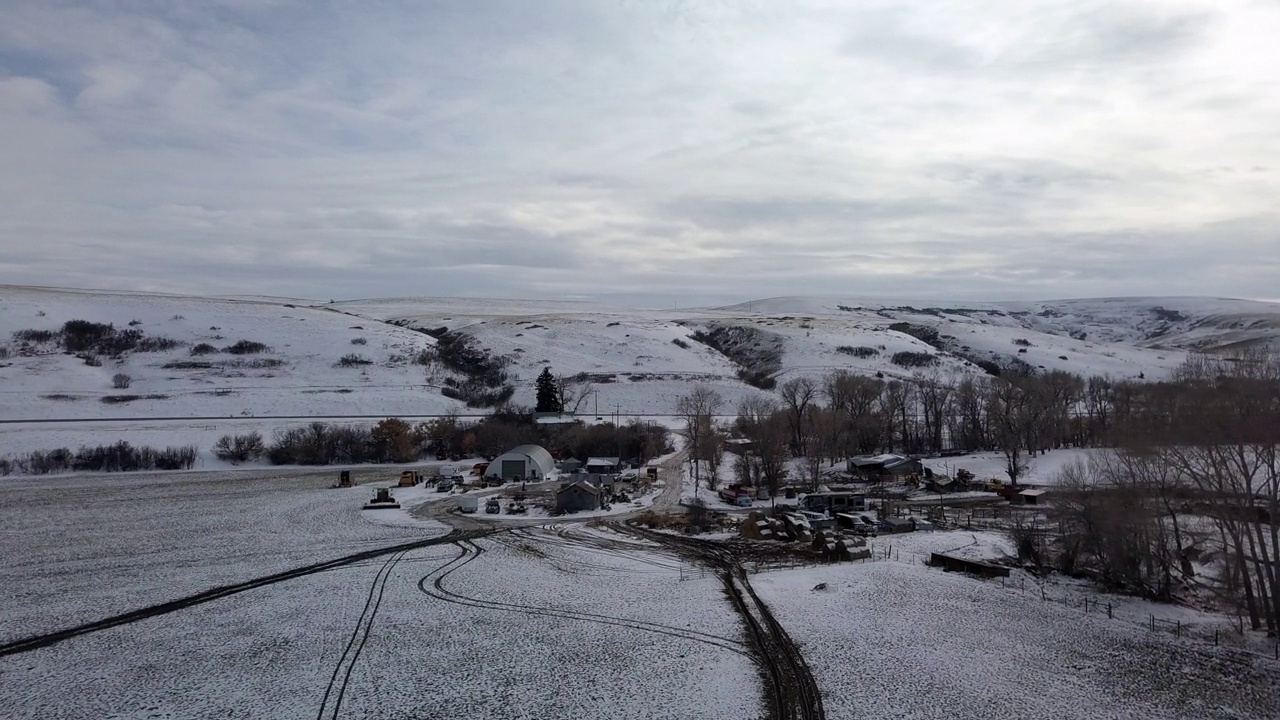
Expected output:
(601, 465)
(886, 465)
(1033, 496)
(525, 462)
(578, 496)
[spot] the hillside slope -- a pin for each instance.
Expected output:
(639, 361)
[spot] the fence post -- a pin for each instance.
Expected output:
(1177, 629)
(1043, 596)
(1108, 611)
(1215, 637)
(1153, 622)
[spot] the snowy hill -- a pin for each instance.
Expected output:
(640, 361)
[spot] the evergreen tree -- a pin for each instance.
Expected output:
(549, 399)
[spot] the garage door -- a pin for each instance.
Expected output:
(512, 469)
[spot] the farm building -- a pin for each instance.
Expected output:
(570, 465)
(525, 462)
(887, 465)
(576, 496)
(602, 465)
(555, 418)
(1034, 496)
(738, 446)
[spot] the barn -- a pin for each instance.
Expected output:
(580, 495)
(524, 462)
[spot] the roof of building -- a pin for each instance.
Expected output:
(537, 454)
(1033, 492)
(554, 418)
(583, 484)
(886, 459)
(603, 461)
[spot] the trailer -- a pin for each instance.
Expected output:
(468, 504)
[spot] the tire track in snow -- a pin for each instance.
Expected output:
(359, 636)
(36, 642)
(432, 585)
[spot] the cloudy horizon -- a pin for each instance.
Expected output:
(707, 152)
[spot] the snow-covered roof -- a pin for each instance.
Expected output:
(1035, 492)
(534, 453)
(602, 461)
(554, 418)
(580, 484)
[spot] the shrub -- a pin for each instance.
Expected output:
(923, 333)
(4, 352)
(862, 351)
(1022, 341)
(320, 444)
(187, 365)
(246, 347)
(134, 323)
(203, 349)
(156, 344)
(353, 360)
(680, 343)
(91, 360)
(359, 341)
(910, 359)
(35, 336)
(118, 399)
(239, 448)
(119, 457)
(82, 335)
(120, 381)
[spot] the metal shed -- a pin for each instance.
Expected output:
(525, 462)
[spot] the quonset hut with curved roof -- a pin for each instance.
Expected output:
(525, 462)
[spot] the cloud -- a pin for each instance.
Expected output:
(723, 149)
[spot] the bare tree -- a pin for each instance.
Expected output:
(697, 408)
(573, 391)
(797, 394)
(120, 381)
(712, 453)
(935, 394)
(762, 421)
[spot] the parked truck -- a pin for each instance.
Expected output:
(468, 503)
(737, 495)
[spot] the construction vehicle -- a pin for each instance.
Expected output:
(382, 500)
(344, 479)
(408, 478)
(492, 507)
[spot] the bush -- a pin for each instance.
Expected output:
(923, 333)
(4, 352)
(862, 351)
(120, 381)
(320, 444)
(239, 448)
(680, 343)
(359, 341)
(910, 359)
(35, 336)
(91, 360)
(83, 336)
(353, 360)
(246, 347)
(1022, 341)
(119, 457)
(203, 349)
(187, 365)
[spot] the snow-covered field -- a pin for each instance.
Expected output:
(902, 640)
(517, 626)
(1042, 469)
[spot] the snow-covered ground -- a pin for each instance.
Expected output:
(535, 624)
(1042, 469)
(899, 639)
(642, 361)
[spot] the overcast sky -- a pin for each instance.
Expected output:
(644, 150)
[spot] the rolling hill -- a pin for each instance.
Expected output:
(185, 358)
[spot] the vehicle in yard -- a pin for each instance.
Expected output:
(737, 495)
(468, 504)
(492, 507)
